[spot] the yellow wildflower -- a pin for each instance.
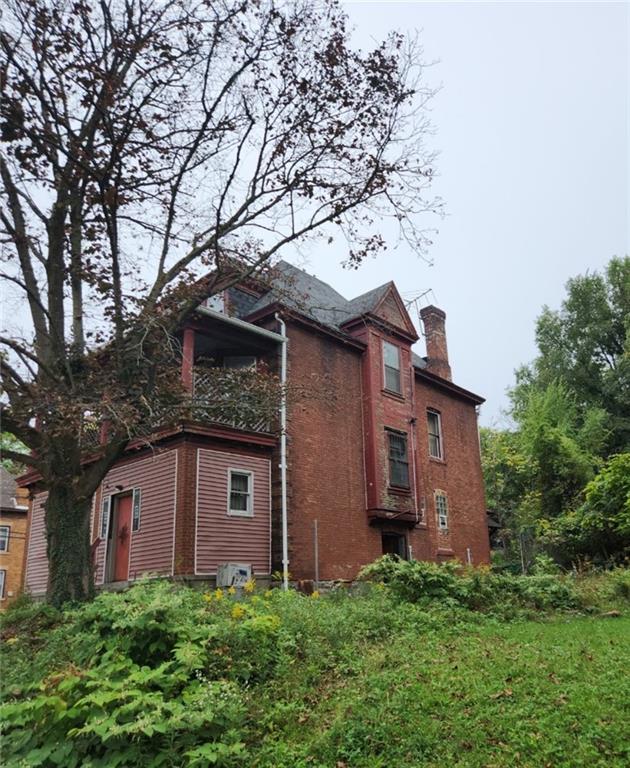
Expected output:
(249, 586)
(207, 596)
(315, 594)
(231, 590)
(219, 594)
(238, 611)
(268, 594)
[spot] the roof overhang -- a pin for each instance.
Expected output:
(372, 319)
(305, 321)
(448, 386)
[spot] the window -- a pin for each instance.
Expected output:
(216, 302)
(135, 509)
(398, 463)
(435, 434)
(391, 361)
(240, 493)
(5, 533)
(441, 507)
(239, 362)
(105, 510)
(3, 575)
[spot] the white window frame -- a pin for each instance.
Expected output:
(3, 582)
(106, 508)
(442, 514)
(247, 362)
(4, 540)
(136, 506)
(398, 391)
(250, 493)
(433, 412)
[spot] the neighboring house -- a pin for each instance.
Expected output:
(382, 448)
(13, 519)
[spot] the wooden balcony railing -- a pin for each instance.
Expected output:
(242, 399)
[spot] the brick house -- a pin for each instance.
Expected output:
(382, 450)
(13, 519)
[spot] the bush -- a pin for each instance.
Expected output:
(161, 675)
(477, 589)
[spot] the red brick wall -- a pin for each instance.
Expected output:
(338, 460)
(325, 459)
(458, 474)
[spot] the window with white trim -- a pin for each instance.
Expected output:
(3, 576)
(434, 425)
(391, 364)
(441, 509)
(5, 535)
(241, 493)
(106, 506)
(239, 362)
(135, 513)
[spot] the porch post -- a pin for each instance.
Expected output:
(188, 356)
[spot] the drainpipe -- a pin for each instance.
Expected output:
(283, 453)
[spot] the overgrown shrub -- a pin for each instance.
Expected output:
(162, 675)
(478, 589)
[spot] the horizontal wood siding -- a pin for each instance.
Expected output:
(222, 538)
(36, 577)
(152, 545)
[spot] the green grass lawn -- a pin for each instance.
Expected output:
(552, 693)
(163, 676)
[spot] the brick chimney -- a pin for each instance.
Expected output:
(433, 320)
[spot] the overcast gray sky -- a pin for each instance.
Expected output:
(532, 124)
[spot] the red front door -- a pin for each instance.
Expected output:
(123, 538)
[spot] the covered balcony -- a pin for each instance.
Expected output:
(228, 366)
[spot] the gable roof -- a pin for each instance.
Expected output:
(367, 302)
(319, 301)
(8, 488)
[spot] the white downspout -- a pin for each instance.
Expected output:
(283, 453)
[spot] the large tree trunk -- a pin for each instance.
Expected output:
(70, 576)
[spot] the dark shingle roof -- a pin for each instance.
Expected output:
(7, 490)
(366, 302)
(316, 299)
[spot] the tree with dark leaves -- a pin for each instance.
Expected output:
(155, 152)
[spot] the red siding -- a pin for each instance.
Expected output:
(222, 538)
(36, 578)
(151, 546)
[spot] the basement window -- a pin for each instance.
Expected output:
(391, 362)
(398, 460)
(5, 534)
(240, 493)
(3, 575)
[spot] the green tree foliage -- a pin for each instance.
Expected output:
(586, 346)
(571, 409)
(10, 443)
(600, 527)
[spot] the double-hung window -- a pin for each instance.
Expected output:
(441, 508)
(398, 460)
(435, 435)
(241, 493)
(5, 534)
(391, 363)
